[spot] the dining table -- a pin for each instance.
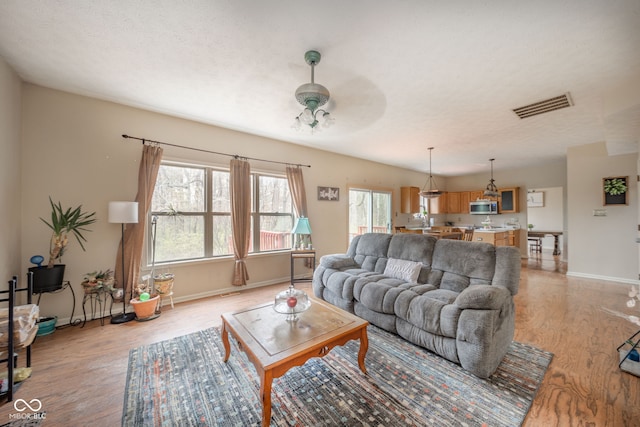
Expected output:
(456, 235)
(541, 234)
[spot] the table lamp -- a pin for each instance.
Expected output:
(301, 228)
(123, 213)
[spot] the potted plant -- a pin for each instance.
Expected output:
(62, 223)
(145, 304)
(98, 281)
(615, 186)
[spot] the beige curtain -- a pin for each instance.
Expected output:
(298, 196)
(134, 233)
(240, 189)
(296, 187)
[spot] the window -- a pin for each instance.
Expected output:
(369, 211)
(191, 206)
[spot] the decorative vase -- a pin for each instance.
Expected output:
(47, 279)
(145, 309)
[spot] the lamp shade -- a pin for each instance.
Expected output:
(123, 212)
(302, 226)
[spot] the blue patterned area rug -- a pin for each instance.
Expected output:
(183, 381)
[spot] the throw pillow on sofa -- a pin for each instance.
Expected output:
(403, 270)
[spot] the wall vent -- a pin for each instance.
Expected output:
(545, 106)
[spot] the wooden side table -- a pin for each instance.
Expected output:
(310, 255)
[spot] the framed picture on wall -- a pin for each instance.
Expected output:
(535, 199)
(329, 193)
(615, 190)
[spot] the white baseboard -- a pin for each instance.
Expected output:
(617, 280)
(117, 307)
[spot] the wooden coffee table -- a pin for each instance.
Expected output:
(274, 345)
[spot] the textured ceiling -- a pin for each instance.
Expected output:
(403, 75)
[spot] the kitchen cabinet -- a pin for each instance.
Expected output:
(409, 200)
(438, 205)
(514, 237)
(453, 202)
(509, 200)
(465, 198)
(475, 195)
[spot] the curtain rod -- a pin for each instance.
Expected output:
(144, 140)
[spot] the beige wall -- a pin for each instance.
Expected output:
(10, 107)
(72, 150)
(601, 247)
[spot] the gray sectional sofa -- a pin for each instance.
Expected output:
(452, 297)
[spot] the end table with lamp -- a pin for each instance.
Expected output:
(302, 228)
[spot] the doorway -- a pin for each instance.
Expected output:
(545, 212)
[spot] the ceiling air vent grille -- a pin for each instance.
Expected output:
(545, 106)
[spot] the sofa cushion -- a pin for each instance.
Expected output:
(483, 297)
(371, 251)
(337, 261)
(462, 264)
(403, 269)
(431, 312)
(412, 247)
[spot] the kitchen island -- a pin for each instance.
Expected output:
(498, 236)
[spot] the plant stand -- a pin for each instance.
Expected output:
(629, 356)
(164, 287)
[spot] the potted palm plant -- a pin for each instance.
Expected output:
(63, 222)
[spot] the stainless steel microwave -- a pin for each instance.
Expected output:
(483, 207)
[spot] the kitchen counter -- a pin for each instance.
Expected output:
(498, 236)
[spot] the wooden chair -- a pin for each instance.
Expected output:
(468, 234)
(535, 244)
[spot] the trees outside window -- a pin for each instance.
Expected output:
(192, 208)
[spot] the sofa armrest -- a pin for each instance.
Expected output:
(484, 297)
(338, 261)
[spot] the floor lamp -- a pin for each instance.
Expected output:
(123, 213)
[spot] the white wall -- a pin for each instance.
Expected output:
(10, 108)
(601, 247)
(72, 150)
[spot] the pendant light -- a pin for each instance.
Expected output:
(491, 190)
(430, 190)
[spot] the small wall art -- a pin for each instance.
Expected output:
(615, 190)
(331, 194)
(535, 199)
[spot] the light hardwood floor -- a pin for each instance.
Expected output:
(79, 373)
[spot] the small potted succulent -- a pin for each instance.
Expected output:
(98, 281)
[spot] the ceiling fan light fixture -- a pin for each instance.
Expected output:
(430, 190)
(491, 190)
(312, 96)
